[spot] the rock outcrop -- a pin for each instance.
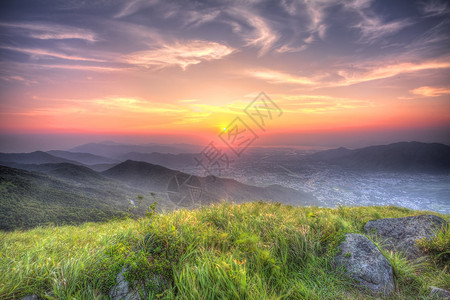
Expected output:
(122, 290)
(364, 262)
(401, 234)
(439, 293)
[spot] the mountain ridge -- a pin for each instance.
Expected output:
(401, 156)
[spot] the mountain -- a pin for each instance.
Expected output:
(37, 157)
(66, 194)
(188, 190)
(403, 157)
(83, 158)
(168, 160)
(115, 151)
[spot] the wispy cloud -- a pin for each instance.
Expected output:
(435, 8)
(78, 67)
(363, 72)
(45, 31)
(280, 77)
(372, 26)
(179, 54)
(305, 103)
(135, 104)
(18, 78)
(387, 70)
(287, 49)
(197, 18)
(133, 6)
(46, 53)
(260, 35)
(430, 91)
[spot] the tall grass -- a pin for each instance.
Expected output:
(249, 251)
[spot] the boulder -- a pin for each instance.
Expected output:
(364, 262)
(122, 290)
(439, 293)
(401, 234)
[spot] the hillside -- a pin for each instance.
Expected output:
(66, 194)
(249, 251)
(168, 160)
(403, 157)
(211, 189)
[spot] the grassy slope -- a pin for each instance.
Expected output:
(29, 199)
(249, 251)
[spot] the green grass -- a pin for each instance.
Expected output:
(249, 251)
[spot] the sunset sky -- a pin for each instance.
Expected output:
(343, 72)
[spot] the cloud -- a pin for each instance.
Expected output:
(18, 78)
(364, 72)
(137, 105)
(78, 67)
(289, 49)
(429, 91)
(179, 54)
(387, 70)
(42, 52)
(134, 6)
(260, 35)
(435, 8)
(279, 77)
(46, 31)
(304, 103)
(372, 28)
(197, 18)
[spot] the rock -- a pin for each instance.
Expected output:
(439, 293)
(365, 263)
(122, 290)
(30, 297)
(401, 234)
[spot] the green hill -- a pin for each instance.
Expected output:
(66, 194)
(224, 251)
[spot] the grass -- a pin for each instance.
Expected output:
(248, 251)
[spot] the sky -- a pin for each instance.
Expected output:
(333, 72)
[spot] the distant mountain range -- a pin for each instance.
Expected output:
(209, 189)
(114, 151)
(37, 157)
(83, 158)
(399, 157)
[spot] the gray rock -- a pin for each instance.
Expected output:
(365, 263)
(401, 234)
(122, 290)
(30, 297)
(439, 293)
